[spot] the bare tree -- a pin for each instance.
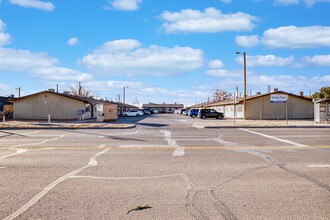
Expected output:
(221, 95)
(81, 91)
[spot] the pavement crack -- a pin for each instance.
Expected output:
(282, 166)
(225, 212)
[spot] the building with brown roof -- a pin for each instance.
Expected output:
(274, 105)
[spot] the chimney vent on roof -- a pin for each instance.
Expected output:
(301, 93)
(258, 93)
(51, 90)
(275, 89)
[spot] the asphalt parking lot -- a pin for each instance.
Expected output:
(165, 167)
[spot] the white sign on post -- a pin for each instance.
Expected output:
(279, 98)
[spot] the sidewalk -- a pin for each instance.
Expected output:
(198, 123)
(91, 124)
(239, 123)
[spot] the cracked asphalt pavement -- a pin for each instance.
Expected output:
(166, 163)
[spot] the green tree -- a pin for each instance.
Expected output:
(323, 93)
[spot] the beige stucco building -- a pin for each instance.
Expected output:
(262, 107)
(58, 106)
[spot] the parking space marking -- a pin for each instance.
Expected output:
(275, 138)
(320, 165)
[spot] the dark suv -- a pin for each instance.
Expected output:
(210, 113)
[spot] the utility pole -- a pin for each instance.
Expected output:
(124, 95)
(19, 92)
(79, 89)
(244, 58)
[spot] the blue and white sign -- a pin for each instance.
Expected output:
(278, 98)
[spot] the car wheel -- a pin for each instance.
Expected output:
(138, 115)
(193, 116)
(219, 117)
(125, 115)
(204, 117)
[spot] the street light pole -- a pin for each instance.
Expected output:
(244, 104)
(19, 92)
(124, 93)
(124, 96)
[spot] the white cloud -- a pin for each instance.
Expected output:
(60, 74)
(267, 60)
(4, 37)
(318, 60)
(130, 59)
(153, 90)
(40, 65)
(215, 64)
(287, 2)
(46, 6)
(24, 60)
(73, 41)
(124, 45)
(4, 89)
(125, 5)
(309, 3)
(290, 83)
(247, 41)
(297, 37)
(222, 73)
(210, 20)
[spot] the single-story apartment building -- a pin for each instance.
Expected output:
(266, 106)
(163, 108)
(58, 105)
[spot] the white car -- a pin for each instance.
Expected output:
(133, 112)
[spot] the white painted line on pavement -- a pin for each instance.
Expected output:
(275, 138)
(18, 151)
(34, 132)
(36, 198)
(39, 143)
(179, 151)
(2, 167)
(320, 165)
(143, 146)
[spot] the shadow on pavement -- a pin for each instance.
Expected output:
(155, 125)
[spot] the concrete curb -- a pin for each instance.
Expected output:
(254, 126)
(68, 126)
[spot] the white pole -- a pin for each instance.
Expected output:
(48, 118)
(286, 111)
(4, 119)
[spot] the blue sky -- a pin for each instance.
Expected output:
(164, 51)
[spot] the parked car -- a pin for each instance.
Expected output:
(210, 113)
(177, 111)
(133, 112)
(193, 112)
(145, 111)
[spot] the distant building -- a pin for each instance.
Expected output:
(58, 106)
(163, 108)
(261, 106)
